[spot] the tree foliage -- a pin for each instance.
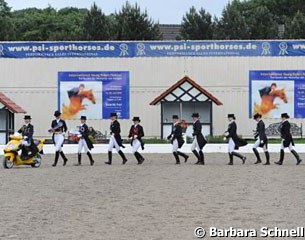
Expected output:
(133, 24)
(197, 25)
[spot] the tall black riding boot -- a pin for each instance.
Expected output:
(90, 158)
(296, 155)
(197, 156)
(282, 155)
(139, 157)
(231, 159)
(258, 158)
(109, 158)
(267, 158)
(56, 159)
(79, 158)
(201, 158)
(176, 157)
(123, 157)
(183, 155)
(243, 158)
(64, 158)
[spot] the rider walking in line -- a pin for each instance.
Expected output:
(84, 142)
(287, 140)
(261, 140)
(115, 139)
(136, 133)
(58, 128)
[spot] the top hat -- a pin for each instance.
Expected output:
(136, 119)
(257, 115)
(284, 115)
(113, 114)
(57, 113)
(28, 117)
(231, 116)
(83, 118)
(195, 115)
(175, 117)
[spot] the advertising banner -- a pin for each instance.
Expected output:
(152, 49)
(93, 94)
(274, 92)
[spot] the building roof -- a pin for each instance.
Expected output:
(10, 105)
(185, 90)
(170, 31)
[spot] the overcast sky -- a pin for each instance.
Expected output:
(164, 11)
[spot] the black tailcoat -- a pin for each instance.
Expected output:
(286, 134)
(176, 134)
(232, 133)
(197, 127)
(261, 133)
(84, 131)
(116, 130)
(61, 126)
(27, 131)
(139, 131)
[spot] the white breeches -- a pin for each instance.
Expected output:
(82, 144)
(257, 143)
(136, 144)
(283, 148)
(195, 145)
(59, 140)
(113, 143)
(26, 143)
(175, 146)
(231, 146)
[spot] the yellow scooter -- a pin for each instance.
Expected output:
(11, 156)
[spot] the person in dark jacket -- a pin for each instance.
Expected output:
(84, 141)
(199, 140)
(261, 139)
(28, 148)
(177, 140)
(76, 91)
(234, 141)
(287, 140)
(267, 90)
(136, 133)
(58, 128)
(115, 139)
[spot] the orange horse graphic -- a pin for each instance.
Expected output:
(76, 104)
(267, 103)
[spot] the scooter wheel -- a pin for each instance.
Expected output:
(37, 161)
(7, 163)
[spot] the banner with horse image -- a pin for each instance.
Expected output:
(93, 94)
(274, 92)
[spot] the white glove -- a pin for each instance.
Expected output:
(262, 142)
(25, 137)
(224, 138)
(135, 136)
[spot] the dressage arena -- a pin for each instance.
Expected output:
(156, 200)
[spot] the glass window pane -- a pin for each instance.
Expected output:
(170, 109)
(2, 120)
(203, 108)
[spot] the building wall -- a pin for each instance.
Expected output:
(32, 83)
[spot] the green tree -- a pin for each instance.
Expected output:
(133, 24)
(34, 24)
(97, 25)
(7, 28)
(197, 25)
(295, 29)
